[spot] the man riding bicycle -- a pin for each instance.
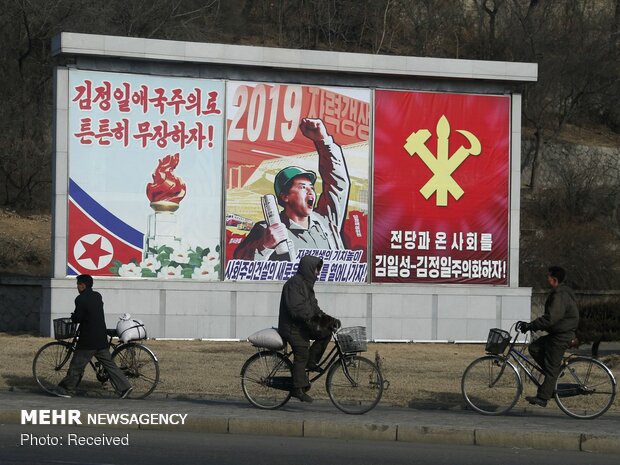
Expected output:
(298, 308)
(560, 320)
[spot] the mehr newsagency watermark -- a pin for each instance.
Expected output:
(77, 418)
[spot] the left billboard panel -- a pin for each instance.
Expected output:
(145, 170)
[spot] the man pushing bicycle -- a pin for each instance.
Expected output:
(93, 341)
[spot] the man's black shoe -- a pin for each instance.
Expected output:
(314, 367)
(535, 400)
(61, 392)
(298, 393)
(126, 392)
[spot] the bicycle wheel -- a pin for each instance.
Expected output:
(585, 388)
(491, 385)
(267, 379)
(50, 364)
(141, 367)
(354, 384)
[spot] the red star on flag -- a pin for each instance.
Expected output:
(93, 251)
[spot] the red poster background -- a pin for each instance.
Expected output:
(398, 177)
(346, 120)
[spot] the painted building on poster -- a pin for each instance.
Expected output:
(190, 178)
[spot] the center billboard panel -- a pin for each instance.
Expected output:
(297, 180)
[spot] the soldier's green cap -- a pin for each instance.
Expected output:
(285, 177)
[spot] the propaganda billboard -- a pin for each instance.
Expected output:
(296, 180)
(441, 188)
(145, 175)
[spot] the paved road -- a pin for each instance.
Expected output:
(532, 428)
(148, 447)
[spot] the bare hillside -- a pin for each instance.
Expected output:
(25, 244)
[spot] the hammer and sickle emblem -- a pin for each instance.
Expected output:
(442, 165)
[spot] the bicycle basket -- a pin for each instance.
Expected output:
(352, 339)
(497, 341)
(64, 328)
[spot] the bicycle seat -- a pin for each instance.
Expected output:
(112, 332)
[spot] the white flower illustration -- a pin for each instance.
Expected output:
(170, 272)
(151, 263)
(204, 273)
(212, 259)
(130, 270)
(179, 256)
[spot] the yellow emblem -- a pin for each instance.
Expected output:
(442, 165)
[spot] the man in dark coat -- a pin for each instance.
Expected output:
(92, 341)
(560, 320)
(298, 306)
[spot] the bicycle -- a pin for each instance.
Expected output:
(492, 384)
(354, 383)
(137, 361)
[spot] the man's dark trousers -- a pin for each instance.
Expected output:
(548, 352)
(303, 353)
(80, 359)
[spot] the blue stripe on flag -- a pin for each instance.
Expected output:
(104, 217)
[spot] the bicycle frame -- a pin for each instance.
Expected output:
(526, 364)
(133, 359)
(102, 375)
(529, 366)
(326, 362)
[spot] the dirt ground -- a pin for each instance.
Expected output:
(25, 244)
(420, 375)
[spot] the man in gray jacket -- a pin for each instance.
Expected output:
(560, 320)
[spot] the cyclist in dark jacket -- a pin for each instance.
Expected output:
(560, 320)
(297, 306)
(92, 341)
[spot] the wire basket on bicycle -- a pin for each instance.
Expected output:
(352, 339)
(497, 341)
(64, 328)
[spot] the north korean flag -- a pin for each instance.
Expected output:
(96, 237)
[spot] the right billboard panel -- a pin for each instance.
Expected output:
(441, 188)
